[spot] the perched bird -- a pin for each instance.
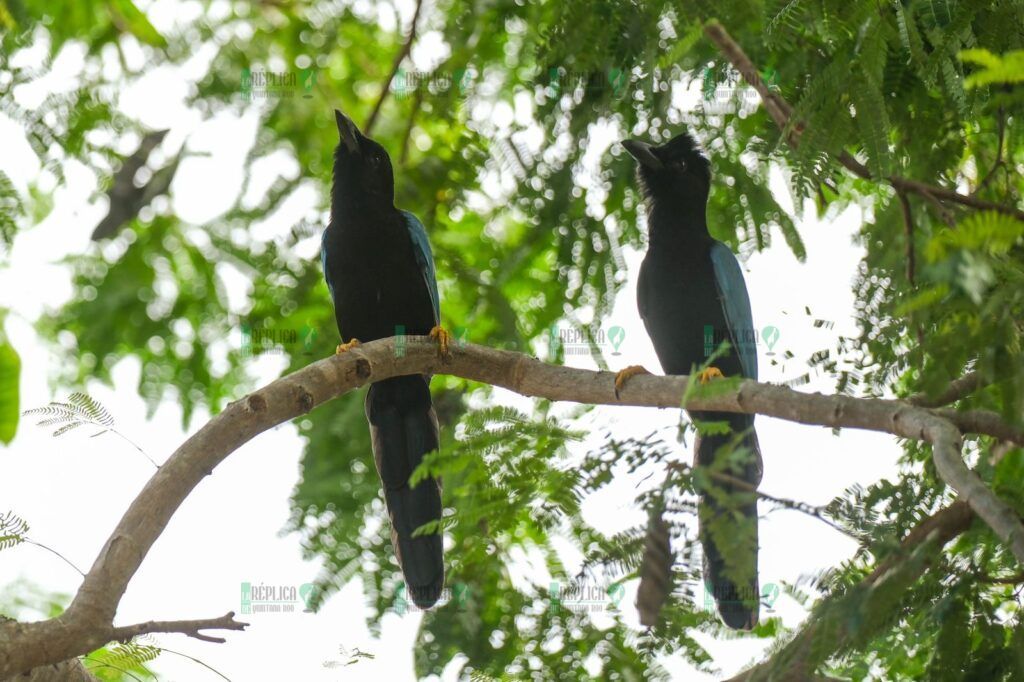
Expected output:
(691, 295)
(380, 272)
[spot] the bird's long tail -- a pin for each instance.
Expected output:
(403, 428)
(728, 518)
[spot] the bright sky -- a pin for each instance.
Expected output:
(74, 489)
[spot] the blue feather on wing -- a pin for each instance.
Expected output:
(732, 292)
(425, 260)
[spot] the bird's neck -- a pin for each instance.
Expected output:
(677, 219)
(359, 211)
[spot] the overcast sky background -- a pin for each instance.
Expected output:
(73, 490)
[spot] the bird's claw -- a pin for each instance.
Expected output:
(346, 347)
(625, 375)
(709, 373)
(443, 338)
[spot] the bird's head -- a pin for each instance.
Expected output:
(362, 168)
(676, 167)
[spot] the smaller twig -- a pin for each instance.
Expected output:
(908, 231)
(395, 65)
(417, 102)
(943, 212)
(796, 505)
(102, 664)
(55, 552)
(957, 389)
(165, 650)
(1014, 579)
(186, 627)
(999, 154)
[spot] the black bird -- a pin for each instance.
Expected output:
(691, 295)
(380, 272)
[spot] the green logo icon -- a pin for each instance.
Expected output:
(308, 78)
(616, 592)
(616, 335)
(770, 334)
(306, 593)
(769, 593)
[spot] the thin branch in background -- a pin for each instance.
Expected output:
(194, 660)
(999, 152)
(417, 102)
(814, 511)
(81, 410)
(957, 389)
(101, 664)
(908, 232)
(781, 112)
(56, 553)
(402, 54)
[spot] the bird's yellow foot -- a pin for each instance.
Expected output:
(706, 375)
(443, 338)
(346, 347)
(626, 374)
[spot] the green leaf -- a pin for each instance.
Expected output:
(10, 371)
(124, 12)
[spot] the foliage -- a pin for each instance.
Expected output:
(498, 150)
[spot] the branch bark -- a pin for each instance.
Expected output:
(88, 621)
(781, 112)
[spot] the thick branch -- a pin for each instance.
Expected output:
(87, 622)
(781, 113)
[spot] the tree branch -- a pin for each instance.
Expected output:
(957, 389)
(402, 54)
(186, 627)
(87, 623)
(858, 613)
(781, 112)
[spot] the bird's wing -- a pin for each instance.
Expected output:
(425, 259)
(323, 262)
(732, 292)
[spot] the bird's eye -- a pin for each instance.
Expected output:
(679, 164)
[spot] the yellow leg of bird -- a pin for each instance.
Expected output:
(443, 338)
(626, 374)
(346, 347)
(706, 375)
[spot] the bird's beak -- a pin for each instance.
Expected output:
(641, 151)
(348, 131)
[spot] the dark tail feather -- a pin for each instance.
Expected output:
(403, 428)
(728, 523)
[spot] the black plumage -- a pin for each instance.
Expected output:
(380, 272)
(691, 294)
